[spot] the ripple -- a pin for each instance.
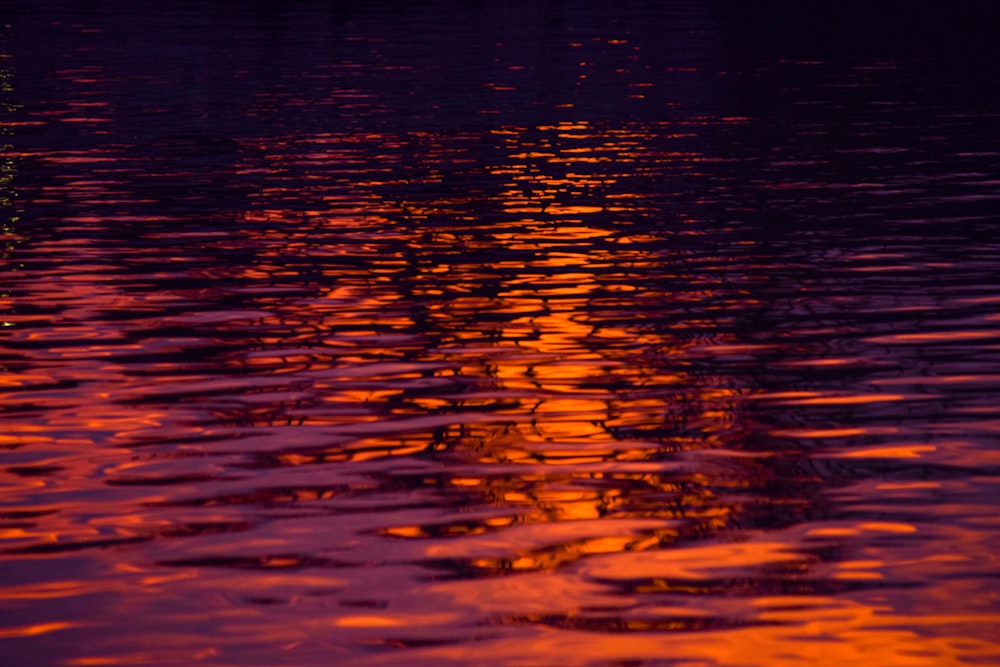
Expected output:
(528, 334)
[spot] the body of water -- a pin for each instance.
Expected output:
(530, 333)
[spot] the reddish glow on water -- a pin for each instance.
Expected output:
(426, 338)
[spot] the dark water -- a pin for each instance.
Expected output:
(501, 334)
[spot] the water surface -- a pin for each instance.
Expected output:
(516, 334)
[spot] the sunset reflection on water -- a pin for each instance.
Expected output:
(620, 351)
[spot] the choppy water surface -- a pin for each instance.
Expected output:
(521, 334)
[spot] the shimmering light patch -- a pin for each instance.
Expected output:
(893, 486)
(835, 432)
(34, 630)
(826, 361)
(145, 658)
(858, 399)
(853, 575)
(54, 590)
(888, 527)
(833, 532)
(782, 395)
(373, 621)
(936, 380)
(557, 209)
(894, 452)
(933, 337)
(370, 622)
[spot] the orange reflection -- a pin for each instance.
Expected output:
(565, 447)
(33, 630)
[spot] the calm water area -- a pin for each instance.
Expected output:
(513, 333)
